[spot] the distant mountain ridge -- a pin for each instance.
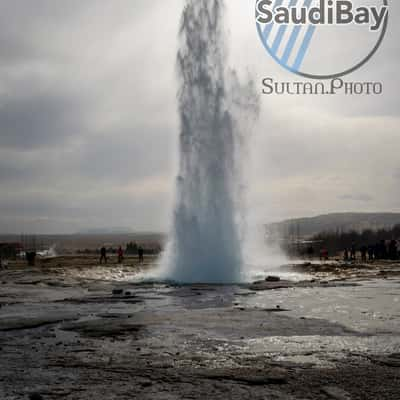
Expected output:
(343, 222)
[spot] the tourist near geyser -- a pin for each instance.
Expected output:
(168, 231)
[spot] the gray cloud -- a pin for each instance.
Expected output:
(88, 122)
(42, 119)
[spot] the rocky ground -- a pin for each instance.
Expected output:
(70, 329)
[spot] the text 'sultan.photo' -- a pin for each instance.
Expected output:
(199, 200)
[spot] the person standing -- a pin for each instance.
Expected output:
(364, 250)
(370, 253)
(103, 255)
(141, 254)
(353, 252)
(120, 255)
(346, 254)
(393, 250)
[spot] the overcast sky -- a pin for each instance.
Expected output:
(89, 127)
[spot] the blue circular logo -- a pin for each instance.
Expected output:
(322, 39)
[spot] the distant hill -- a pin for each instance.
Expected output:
(68, 243)
(106, 231)
(342, 222)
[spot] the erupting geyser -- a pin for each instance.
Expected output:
(206, 244)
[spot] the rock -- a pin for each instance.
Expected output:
(336, 393)
(274, 310)
(392, 360)
(112, 315)
(269, 379)
(275, 376)
(271, 285)
(117, 292)
(98, 328)
(25, 322)
(272, 279)
(35, 396)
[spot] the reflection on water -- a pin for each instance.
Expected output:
(372, 308)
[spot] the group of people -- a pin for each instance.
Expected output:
(384, 250)
(120, 254)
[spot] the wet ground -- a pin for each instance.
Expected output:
(70, 329)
